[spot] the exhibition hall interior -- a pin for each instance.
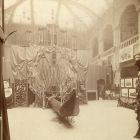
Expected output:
(69, 69)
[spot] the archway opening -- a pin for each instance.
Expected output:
(101, 88)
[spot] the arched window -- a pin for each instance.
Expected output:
(129, 23)
(108, 37)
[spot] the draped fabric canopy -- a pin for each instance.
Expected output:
(36, 64)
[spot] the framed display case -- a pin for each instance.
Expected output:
(124, 92)
(135, 82)
(6, 83)
(132, 93)
(128, 82)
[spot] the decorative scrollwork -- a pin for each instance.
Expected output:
(21, 93)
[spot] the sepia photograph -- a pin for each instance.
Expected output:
(69, 69)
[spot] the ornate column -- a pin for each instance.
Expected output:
(116, 36)
(116, 55)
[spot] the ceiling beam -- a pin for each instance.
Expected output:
(92, 14)
(14, 6)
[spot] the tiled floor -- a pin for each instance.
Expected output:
(99, 120)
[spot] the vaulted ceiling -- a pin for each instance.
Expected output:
(65, 13)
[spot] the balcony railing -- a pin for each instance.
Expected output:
(130, 41)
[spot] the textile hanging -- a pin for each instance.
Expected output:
(35, 65)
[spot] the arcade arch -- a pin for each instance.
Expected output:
(128, 23)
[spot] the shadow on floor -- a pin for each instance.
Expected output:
(67, 122)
